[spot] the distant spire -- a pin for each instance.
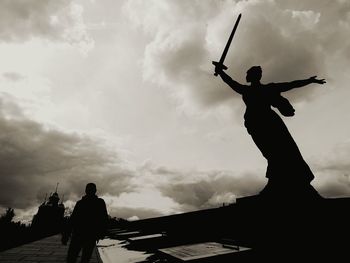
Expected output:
(56, 187)
(45, 199)
(62, 199)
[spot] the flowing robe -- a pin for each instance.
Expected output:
(271, 136)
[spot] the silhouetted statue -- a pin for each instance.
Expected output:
(286, 166)
(86, 225)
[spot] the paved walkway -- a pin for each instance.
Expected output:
(47, 250)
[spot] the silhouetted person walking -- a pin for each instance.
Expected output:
(86, 225)
(286, 166)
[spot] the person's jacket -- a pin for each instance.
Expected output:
(89, 218)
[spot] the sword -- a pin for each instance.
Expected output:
(223, 56)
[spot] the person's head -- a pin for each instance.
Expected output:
(254, 74)
(90, 189)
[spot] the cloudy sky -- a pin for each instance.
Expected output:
(122, 93)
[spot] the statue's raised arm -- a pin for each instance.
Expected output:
(285, 86)
(236, 86)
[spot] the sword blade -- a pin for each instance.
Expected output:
(224, 53)
(223, 56)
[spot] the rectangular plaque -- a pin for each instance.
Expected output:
(198, 251)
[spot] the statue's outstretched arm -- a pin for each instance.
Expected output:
(236, 86)
(285, 86)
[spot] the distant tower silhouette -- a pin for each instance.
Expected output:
(49, 217)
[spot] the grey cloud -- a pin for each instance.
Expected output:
(129, 212)
(194, 190)
(211, 189)
(333, 172)
(337, 187)
(13, 76)
(54, 20)
(289, 41)
(333, 183)
(33, 158)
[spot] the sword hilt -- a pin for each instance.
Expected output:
(220, 65)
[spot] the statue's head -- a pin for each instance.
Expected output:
(90, 189)
(254, 74)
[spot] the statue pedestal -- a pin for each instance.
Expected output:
(284, 223)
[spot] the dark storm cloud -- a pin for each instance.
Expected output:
(23, 20)
(34, 157)
(290, 41)
(199, 190)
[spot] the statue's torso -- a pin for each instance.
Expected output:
(258, 100)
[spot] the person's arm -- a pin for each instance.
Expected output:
(67, 230)
(105, 215)
(285, 86)
(236, 86)
(104, 220)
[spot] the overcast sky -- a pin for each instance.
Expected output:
(122, 93)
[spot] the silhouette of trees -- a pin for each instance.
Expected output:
(16, 233)
(13, 233)
(8, 216)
